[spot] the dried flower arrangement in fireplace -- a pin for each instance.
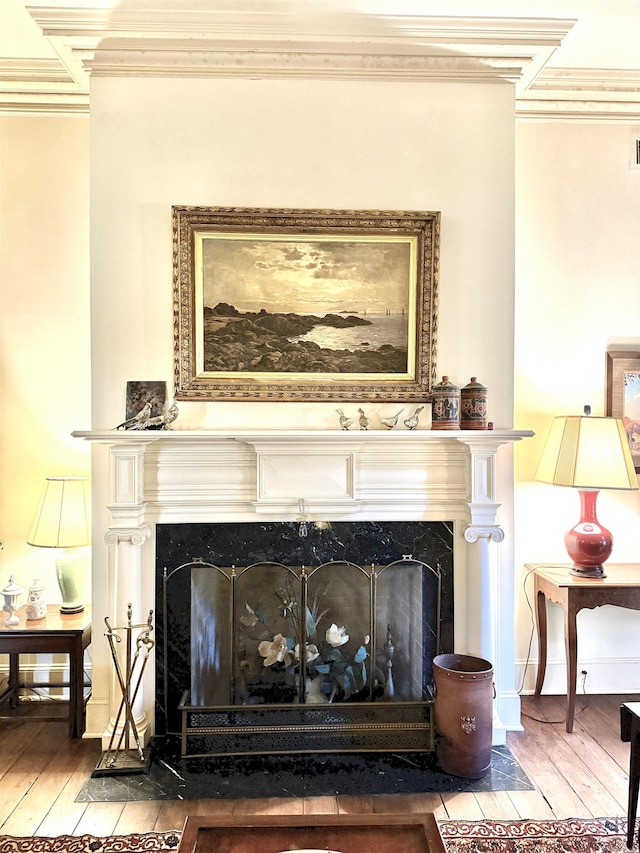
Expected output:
(335, 665)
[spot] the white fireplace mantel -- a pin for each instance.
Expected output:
(183, 476)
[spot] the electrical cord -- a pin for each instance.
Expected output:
(528, 660)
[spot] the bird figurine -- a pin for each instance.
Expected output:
(364, 420)
(160, 421)
(345, 422)
(392, 421)
(142, 416)
(412, 422)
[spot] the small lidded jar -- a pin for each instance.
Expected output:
(473, 405)
(36, 605)
(445, 405)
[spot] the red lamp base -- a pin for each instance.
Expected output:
(589, 544)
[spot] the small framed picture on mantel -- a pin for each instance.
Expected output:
(139, 393)
(623, 396)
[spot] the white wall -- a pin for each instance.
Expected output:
(269, 143)
(294, 143)
(44, 325)
(578, 293)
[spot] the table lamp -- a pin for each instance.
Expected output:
(62, 522)
(589, 454)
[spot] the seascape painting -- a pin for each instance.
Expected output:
(273, 305)
(304, 305)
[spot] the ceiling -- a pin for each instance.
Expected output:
(568, 59)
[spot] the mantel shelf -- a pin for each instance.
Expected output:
(293, 436)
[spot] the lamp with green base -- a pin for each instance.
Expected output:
(62, 522)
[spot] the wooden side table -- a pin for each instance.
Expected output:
(57, 633)
(621, 587)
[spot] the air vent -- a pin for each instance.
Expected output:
(634, 151)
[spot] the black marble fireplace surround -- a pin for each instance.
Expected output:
(243, 544)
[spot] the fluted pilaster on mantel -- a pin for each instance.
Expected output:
(179, 476)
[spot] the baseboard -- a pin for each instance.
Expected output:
(605, 675)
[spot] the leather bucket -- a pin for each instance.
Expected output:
(463, 714)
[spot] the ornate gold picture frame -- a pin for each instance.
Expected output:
(304, 304)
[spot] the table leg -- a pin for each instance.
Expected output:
(634, 786)
(541, 623)
(14, 679)
(76, 689)
(571, 651)
(630, 731)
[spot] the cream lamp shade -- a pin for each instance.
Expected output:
(62, 521)
(589, 454)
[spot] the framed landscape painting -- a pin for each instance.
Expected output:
(304, 304)
(623, 396)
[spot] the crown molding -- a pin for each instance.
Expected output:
(625, 81)
(310, 40)
(213, 61)
(578, 110)
(32, 72)
(582, 94)
(291, 39)
(290, 19)
(43, 104)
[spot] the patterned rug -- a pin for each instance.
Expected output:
(147, 841)
(598, 835)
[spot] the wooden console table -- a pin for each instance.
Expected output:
(621, 588)
(370, 833)
(57, 633)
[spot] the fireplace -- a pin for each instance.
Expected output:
(377, 598)
(143, 481)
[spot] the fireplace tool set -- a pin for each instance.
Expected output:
(119, 756)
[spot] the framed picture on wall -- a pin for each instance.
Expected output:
(304, 304)
(623, 396)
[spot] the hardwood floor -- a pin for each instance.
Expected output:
(582, 774)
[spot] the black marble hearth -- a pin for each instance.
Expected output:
(239, 777)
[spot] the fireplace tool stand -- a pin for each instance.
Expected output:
(120, 757)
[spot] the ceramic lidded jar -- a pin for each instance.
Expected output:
(36, 605)
(473, 405)
(445, 405)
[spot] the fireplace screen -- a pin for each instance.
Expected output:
(275, 657)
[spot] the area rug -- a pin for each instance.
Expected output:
(596, 835)
(147, 842)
